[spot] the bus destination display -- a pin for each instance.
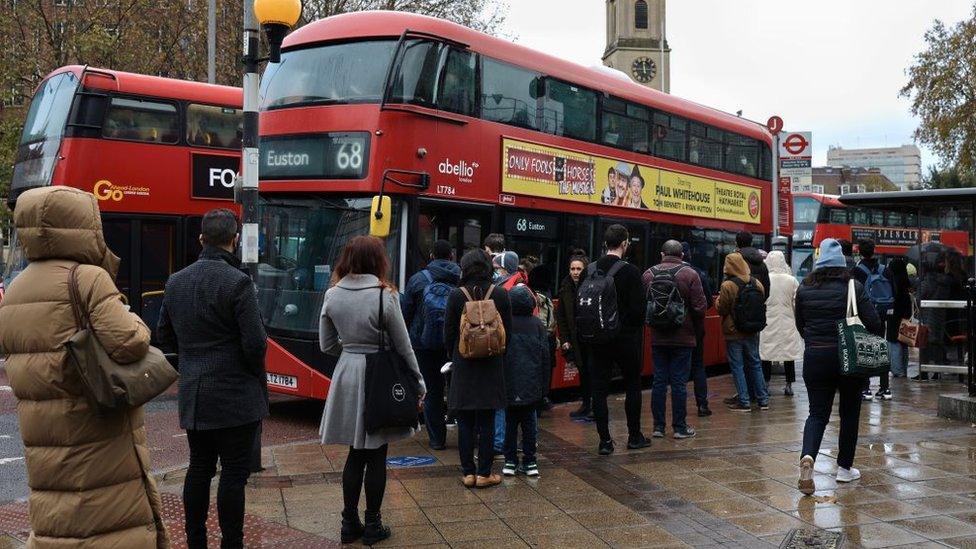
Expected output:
(319, 156)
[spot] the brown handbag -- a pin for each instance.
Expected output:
(108, 385)
(913, 333)
(482, 331)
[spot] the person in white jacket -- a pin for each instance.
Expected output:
(779, 341)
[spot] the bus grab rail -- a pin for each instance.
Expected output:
(388, 81)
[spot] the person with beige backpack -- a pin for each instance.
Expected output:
(476, 323)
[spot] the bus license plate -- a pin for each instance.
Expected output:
(278, 380)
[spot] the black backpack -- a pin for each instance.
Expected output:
(749, 310)
(597, 320)
(665, 307)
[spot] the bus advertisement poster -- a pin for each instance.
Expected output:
(546, 172)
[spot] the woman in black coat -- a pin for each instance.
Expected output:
(901, 309)
(821, 301)
(477, 385)
(566, 321)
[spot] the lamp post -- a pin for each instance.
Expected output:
(275, 17)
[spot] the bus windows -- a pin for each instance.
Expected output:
(49, 110)
(860, 216)
(353, 72)
(625, 125)
(878, 218)
(140, 120)
(838, 216)
(805, 210)
(742, 154)
(509, 94)
(457, 92)
(895, 219)
(212, 126)
(669, 137)
(569, 110)
(705, 146)
(416, 76)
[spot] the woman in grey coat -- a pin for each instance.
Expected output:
(350, 323)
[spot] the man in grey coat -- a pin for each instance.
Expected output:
(210, 317)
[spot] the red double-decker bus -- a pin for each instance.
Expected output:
(820, 216)
(470, 135)
(156, 152)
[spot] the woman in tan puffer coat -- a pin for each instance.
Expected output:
(89, 475)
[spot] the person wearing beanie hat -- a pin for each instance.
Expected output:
(831, 255)
(820, 303)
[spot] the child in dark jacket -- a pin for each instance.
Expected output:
(526, 368)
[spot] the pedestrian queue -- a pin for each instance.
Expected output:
(780, 341)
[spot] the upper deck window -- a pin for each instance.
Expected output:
(625, 125)
(510, 95)
(353, 72)
(435, 75)
(805, 210)
(742, 154)
(212, 126)
(139, 120)
(669, 137)
(49, 110)
(705, 146)
(569, 110)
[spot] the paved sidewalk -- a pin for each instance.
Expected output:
(733, 486)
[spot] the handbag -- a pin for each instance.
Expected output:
(108, 385)
(861, 353)
(911, 332)
(391, 391)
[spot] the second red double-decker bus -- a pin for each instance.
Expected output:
(471, 134)
(820, 216)
(156, 152)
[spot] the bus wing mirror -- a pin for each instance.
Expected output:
(380, 216)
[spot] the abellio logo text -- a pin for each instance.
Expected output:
(463, 170)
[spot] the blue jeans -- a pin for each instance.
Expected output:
(743, 355)
(898, 352)
(523, 417)
(500, 430)
(672, 365)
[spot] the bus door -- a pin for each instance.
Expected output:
(151, 249)
(536, 235)
(637, 253)
(465, 226)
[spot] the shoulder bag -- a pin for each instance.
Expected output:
(861, 353)
(391, 392)
(108, 385)
(911, 332)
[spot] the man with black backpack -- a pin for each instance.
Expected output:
(609, 320)
(675, 307)
(877, 285)
(424, 303)
(742, 306)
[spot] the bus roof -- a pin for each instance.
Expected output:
(375, 24)
(827, 199)
(156, 86)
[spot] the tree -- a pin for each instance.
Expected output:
(483, 15)
(948, 178)
(942, 88)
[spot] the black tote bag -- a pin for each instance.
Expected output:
(392, 392)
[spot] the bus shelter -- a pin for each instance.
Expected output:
(940, 209)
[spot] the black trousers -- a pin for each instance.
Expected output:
(789, 368)
(364, 467)
(821, 375)
(585, 375)
(625, 352)
(430, 363)
(476, 428)
(233, 447)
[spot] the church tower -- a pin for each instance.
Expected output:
(636, 44)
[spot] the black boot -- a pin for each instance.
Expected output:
(352, 528)
(375, 531)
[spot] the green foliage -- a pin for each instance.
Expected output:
(948, 178)
(942, 88)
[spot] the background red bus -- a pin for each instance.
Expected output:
(156, 152)
(820, 216)
(471, 135)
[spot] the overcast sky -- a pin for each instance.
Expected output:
(833, 67)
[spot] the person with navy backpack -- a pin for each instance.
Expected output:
(424, 303)
(881, 292)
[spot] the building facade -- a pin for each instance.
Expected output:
(902, 165)
(830, 180)
(636, 42)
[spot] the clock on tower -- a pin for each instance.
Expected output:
(643, 69)
(636, 41)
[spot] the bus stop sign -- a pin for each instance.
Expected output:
(775, 124)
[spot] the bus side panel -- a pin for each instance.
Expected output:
(310, 384)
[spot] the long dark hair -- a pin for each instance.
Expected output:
(825, 274)
(364, 255)
(898, 268)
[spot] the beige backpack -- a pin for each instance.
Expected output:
(482, 331)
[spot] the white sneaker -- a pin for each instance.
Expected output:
(847, 475)
(805, 484)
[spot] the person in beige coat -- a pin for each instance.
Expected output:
(89, 474)
(779, 341)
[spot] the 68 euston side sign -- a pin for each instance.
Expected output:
(213, 176)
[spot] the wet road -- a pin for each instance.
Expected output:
(290, 421)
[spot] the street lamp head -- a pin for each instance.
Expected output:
(276, 17)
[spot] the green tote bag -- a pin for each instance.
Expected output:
(861, 353)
